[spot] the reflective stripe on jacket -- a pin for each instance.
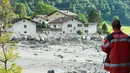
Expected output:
(117, 46)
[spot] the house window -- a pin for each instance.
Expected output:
(79, 25)
(69, 25)
(72, 19)
(47, 19)
(70, 30)
(25, 32)
(74, 28)
(25, 26)
(86, 31)
(59, 25)
(36, 17)
(57, 14)
(39, 20)
(63, 32)
(23, 20)
(85, 25)
(54, 26)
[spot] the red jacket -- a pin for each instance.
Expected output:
(117, 46)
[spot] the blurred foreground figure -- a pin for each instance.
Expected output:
(117, 47)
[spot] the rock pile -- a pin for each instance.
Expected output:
(59, 39)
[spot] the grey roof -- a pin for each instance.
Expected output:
(65, 12)
(68, 12)
(64, 19)
(19, 19)
(41, 16)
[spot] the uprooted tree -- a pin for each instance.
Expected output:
(7, 47)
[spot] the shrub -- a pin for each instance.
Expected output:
(79, 32)
(43, 25)
(104, 28)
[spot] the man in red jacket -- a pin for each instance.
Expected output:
(117, 47)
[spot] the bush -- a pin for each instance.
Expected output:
(43, 25)
(79, 32)
(105, 28)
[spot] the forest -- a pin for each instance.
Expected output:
(107, 9)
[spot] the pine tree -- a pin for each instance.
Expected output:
(94, 16)
(21, 10)
(104, 28)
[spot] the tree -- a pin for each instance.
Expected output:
(94, 16)
(7, 51)
(80, 32)
(113, 8)
(28, 10)
(73, 7)
(95, 2)
(53, 3)
(59, 1)
(117, 0)
(82, 17)
(21, 10)
(42, 8)
(105, 28)
(115, 18)
(31, 1)
(43, 25)
(127, 16)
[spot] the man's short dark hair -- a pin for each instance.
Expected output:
(116, 24)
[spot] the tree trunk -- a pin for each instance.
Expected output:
(6, 64)
(5, 61)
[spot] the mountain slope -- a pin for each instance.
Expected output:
(107, 8)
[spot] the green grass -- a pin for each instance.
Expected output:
(125, 29)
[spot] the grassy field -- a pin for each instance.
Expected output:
(125, 29)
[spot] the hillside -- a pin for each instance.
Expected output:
(107, 8)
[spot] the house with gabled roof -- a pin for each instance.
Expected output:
(40, 18)
(72, 25)
(23, 26)
(60, 13)
(64, 21)
(67, 24)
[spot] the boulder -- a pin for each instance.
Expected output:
(14, 38)
(50, 71)
(23, 38)
(30, 38)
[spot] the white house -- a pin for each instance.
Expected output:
(23, 26)
(72, 25)
(60, 13)
(90, 28)
(67, 24)
(40, 18)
